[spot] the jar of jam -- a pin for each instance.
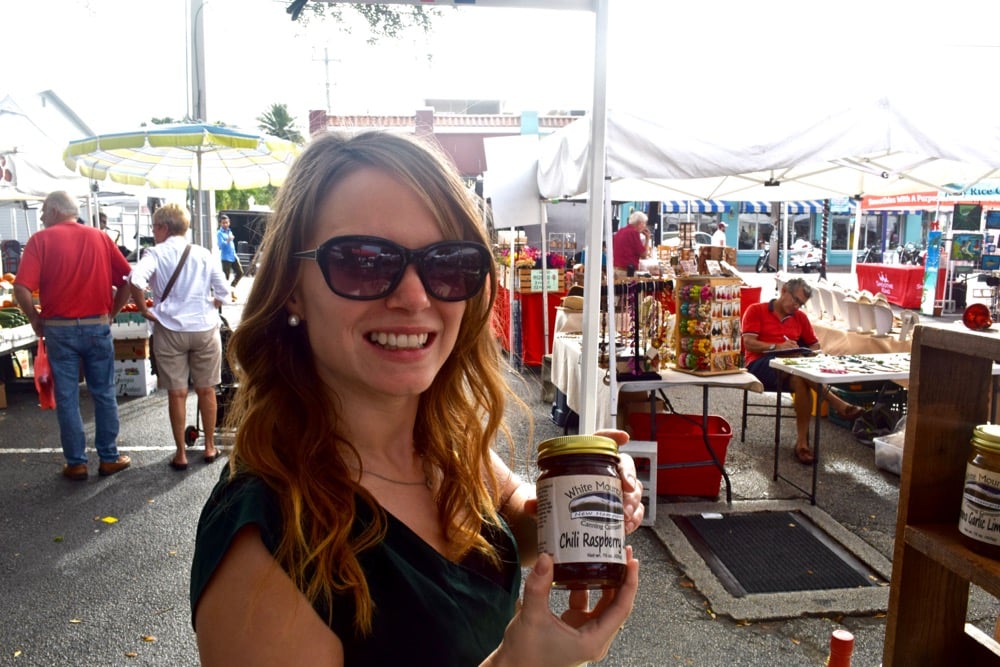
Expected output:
(979, 518)
(581, 518)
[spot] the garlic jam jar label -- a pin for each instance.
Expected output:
(979, 516)
(581, 519)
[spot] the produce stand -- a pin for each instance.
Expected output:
(12, 341)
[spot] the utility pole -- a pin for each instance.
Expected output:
(199, 114)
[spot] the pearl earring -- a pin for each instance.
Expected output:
(293, 320)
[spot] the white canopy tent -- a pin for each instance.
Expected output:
(30, 164)
(874, 146)
(868, 146)
(511, 187)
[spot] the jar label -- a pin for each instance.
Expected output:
(979, 517)
(581, 519)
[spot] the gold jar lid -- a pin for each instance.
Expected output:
(987, 436)
(580, 444)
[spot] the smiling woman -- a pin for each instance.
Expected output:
(364, 500)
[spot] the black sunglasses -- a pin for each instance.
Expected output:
(364, 268)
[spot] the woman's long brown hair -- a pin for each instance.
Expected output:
(288, 425)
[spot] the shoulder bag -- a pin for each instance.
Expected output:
(166, 293)
(173, 276)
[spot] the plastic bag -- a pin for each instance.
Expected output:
(878, 421)
(43, 378)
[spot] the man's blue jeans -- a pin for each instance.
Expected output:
(91, 345)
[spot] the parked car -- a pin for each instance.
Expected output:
(700, 239)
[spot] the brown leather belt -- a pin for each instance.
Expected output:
(79, 321)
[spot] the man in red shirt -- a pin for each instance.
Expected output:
(74, 267)
(779, 325)
(629, 244)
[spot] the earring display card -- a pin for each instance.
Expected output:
(708, 334)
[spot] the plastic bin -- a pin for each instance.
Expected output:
(679, 439)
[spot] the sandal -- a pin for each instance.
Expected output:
(210, 458)
(180, 467)
(804, 456)
(851, 413)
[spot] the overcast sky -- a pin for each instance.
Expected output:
(120, 62)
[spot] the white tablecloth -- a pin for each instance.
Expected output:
(566, 352)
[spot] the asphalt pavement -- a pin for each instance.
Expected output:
(96, 573)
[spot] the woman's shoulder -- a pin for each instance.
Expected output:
(236, 502)
(240, 499)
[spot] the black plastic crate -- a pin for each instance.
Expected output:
(864, 394)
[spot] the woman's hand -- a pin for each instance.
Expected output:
(536, 636)
(631, 486)
(632, 506)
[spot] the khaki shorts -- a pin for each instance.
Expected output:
(184, 355)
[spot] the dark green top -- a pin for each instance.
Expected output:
(428, 610)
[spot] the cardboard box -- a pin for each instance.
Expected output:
(680, 440)
(130, 329)
(25, 360)
(134, 377)
(131, 348)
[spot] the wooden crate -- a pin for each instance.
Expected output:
(717, 253)
(530, 280)
(708, 336)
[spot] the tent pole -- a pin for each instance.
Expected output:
(824, 236)
(592, 278)
(858, 217)
(197, 205)
(784, 236)
(612, 316)
(510, 297)
(545, 283)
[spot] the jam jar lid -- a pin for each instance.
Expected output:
(987, 436)
(579, 444)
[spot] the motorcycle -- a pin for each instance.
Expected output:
(804, 256)
(870, 255)
(911, 253)
(764, 259)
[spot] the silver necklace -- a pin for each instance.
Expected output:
(425, 482)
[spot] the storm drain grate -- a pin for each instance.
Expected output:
(773, 552)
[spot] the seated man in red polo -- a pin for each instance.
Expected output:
(780, 325)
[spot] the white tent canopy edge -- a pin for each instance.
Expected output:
(871, 146)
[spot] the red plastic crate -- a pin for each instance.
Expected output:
(679, 440)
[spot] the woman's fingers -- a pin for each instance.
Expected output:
(537, 587)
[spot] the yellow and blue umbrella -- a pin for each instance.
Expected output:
(197, 156)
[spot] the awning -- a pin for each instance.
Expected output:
(697, 206)
(796, 207)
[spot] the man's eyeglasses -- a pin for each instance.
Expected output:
(364, 268)
(801, 303)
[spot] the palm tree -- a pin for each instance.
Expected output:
(279, 123)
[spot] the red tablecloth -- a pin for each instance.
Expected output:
(902, 284)
(532, 340)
